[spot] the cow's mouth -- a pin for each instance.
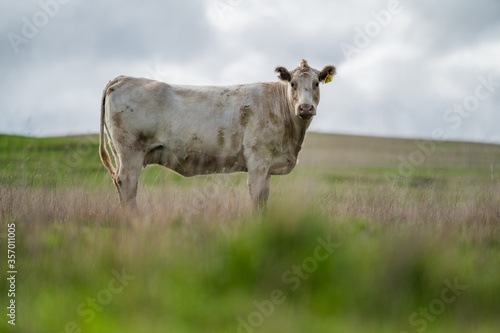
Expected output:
(306, 116)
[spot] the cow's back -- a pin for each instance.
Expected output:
(192, 130)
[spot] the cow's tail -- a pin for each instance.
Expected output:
(103, 152)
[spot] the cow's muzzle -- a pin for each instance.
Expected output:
(306, 111)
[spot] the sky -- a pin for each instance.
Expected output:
(413, 69)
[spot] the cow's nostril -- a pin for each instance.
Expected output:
(306, 107)
(306, 111)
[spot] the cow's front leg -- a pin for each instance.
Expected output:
(258, 186)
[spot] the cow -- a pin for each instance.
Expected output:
(257, 128)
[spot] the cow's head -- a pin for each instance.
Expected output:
(303, 87)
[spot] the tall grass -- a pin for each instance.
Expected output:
(199, 259)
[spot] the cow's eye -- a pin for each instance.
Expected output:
(316, 84)
(292, 84)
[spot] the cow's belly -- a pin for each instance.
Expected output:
(191, 163)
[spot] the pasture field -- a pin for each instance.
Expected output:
(365, 235)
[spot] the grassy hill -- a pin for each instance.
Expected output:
(365, 235)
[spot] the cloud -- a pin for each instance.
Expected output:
(427, 57)
(455, 24)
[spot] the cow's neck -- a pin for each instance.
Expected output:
(295, 126)
(302, 133)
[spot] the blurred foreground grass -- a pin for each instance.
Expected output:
(345, 246)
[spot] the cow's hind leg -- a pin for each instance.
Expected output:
(127, 179)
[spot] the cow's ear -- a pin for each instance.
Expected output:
(327, 73)
(283, 74)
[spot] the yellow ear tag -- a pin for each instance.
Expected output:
(328, 78)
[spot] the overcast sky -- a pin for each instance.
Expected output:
(405, 68)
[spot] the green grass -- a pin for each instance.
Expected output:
(199, 260)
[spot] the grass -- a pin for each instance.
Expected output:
(198, 260)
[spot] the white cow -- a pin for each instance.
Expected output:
(256, 128)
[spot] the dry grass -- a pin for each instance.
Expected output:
(219, 199)
(201, 257)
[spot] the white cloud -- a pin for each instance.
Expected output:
(484, 56)
(425, 59)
